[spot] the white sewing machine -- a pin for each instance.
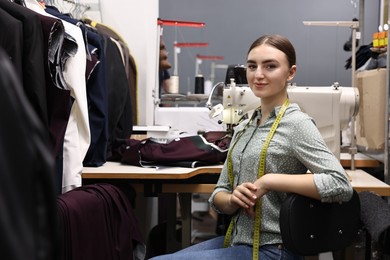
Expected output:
(331, 107)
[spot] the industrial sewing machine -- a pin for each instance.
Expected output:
(331, 107)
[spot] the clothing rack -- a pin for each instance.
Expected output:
(76, 8)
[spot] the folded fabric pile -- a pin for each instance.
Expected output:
(97, 223)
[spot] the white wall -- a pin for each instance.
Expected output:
(136, 22)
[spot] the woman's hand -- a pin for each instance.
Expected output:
(259, 191)
(244, 196)
(261, 185)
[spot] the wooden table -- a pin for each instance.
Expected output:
(361, 161)
(162, 180)
(185, 181)
(363, 181)
(198, 180)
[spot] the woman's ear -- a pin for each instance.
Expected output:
(291, 73)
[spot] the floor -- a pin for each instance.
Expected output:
(204, 226)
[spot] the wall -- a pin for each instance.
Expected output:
(232, 25)
(136, 22)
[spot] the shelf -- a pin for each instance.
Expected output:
(205, 57)
(180, 23)
(332, 23)
(190, 44)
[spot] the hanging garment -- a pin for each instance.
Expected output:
(120, 114)
(28, 220)
(11, 40)
(34, 82)
(128, 61)
(97, 223)
(58, 96)
(363, 54)
(55, 98)
(96, 85)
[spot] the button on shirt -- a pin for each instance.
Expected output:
(296, 147)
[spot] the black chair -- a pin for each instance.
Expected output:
(310, 227)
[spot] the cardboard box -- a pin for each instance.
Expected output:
(370, 121)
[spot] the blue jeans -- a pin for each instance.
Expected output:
(213, 249)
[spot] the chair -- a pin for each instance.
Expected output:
(310, 227)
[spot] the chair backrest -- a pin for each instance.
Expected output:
(310, 227)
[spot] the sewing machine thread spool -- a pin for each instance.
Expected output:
(174, 86)
(199, 84)
(208, 85)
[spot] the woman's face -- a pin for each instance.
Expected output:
(268, 72)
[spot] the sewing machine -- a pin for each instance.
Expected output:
(331, 107)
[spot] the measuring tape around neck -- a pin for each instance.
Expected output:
(256, 235)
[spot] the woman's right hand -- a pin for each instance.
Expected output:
(244, 196)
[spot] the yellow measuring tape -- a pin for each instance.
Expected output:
(256, 236)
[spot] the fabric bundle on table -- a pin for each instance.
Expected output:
(209, 148)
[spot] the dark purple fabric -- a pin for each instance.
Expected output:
(97, 223)
(186, 149)
(58, 98)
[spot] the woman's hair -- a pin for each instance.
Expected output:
(279, 42)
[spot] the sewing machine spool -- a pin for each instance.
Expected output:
(199, 84)
(174, 86)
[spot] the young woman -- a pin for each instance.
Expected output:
(269, 157)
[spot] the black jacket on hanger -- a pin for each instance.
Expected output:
(11, 40)
(34, 83)
(120, 122)
(28, 221)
